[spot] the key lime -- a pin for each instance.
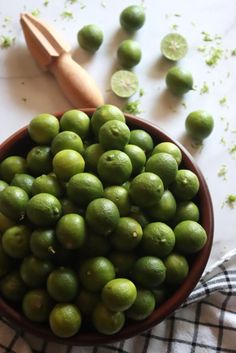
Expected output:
(90, 37)
(106, 321)
(102, 215)
(47, 184)
(176, 269)
(23, 181)
(137, 157)
(142, 139)
(43, 210)
(67, 140)
(3, 185)
(132, 18)
(43, 128)
(127, 235)
(149, 272)
(43, 243)
(146, 189)
(37, 305)
(63, 285)
(143, 306)
(92, 155)
(199, 124)
(71, 231)
(186, 210)
(174, 46)
(164, 210)
(39, 160)
(179, 80)
(124, 83)
(129, 53)
(15, 241)
(190, 237)
(114, 135)
(120, 196)
(13, 202)
(34, 271)
(12, 287)
(169, 147)
(95, 272)
(186, 185)
(12, 165)
(76, 121)
(119, 294)
(67, 163)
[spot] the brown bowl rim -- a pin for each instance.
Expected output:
(171, 304)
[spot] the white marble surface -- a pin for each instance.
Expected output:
(25, 91)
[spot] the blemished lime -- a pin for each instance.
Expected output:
(179, 80)
(120, 196)
(90, 37)
(177, 268)
(124, 83)
(63, 285)
(11, 166)
(149, 272)
(12, 287)
(168, 147)
(114, 135)
(23, 181)
(174, 46)
(106, 321)
(77, 121)
(143, 305)
(37, 305)
(39, 160)
(190, 237)
(102, 215)
(132, 18)
(13, 202)
(67, 140)
(186, 185)
(65, 320)
(165, 209)
(95, 272)
(142, 139)
(129, 53)
(71, 231)
(127, 235)
(119, 294)
(43, 128)
(137, 157)
(67, 163)
(16, 241)
(199, 124)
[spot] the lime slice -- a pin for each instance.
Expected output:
(174, 46)
(124, 83)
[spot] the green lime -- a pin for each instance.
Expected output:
(13, 202)
(132, 18)
(146, 189)
(120, 196)
(12, 165)
(127, 234)
(103, 114)
(149, 272)
(119, 294)
(102, 215)
(3, 185)
(174, 46)
(137, 157)
(65, 320)
(199, 124)
(34, 271)
(43, 128)
(169, 147)
(114, 134)
(163, 165)
(106, 321)
(186, 185)
(114, 167)
(12, 287)
(5, 222)
(129, 53)
(142, 139)
(158, 239)
(87, 301)
(15, 241)
(5, 262)
(165, 209)
(71, 231)
(95, 272)
(176, 269)
(43, 243)
(39, 160)
(63, 285)
(23, 181)
(77, 121)
(179, 80)
(67, 140)
(122, 262)
(139, 215)
(67, 163)
(94, 245)
(124, 83)
(186, 210)
(37, 305)
(90, 37)
(92, 155)
(190, 237)
(143, 305)
(43, 210)
(70, 207)
(47, 184)
(84, 188)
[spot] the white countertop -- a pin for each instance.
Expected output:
(25, 91)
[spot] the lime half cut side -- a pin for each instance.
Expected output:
(124, 83)
(174, 46)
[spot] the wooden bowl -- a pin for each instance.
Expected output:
(20, 143)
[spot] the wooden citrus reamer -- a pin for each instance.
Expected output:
(52, 54)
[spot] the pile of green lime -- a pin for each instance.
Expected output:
(97, 221)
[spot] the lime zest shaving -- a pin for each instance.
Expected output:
(132, 107)
(230, 200)
(68, 15)
(35, 12)
(45, 3)
(214, 56)
(174, 27)
(141, 92)
(202, 48)
(204, 89)
(222, 172)
(6, 42)
(232, 149)
(222, 141)
(223, 101)
(233, 52)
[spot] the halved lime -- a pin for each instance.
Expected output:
(174, 46)
(124, 83)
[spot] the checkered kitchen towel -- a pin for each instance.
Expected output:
(205, 323)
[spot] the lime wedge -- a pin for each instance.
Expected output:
(174, 46)
(124, 83)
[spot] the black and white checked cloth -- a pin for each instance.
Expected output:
(206, 322)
